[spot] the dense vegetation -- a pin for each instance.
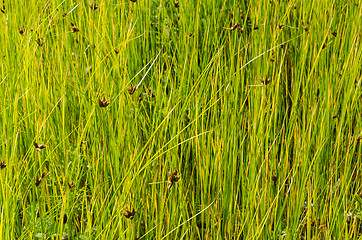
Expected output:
(155, 119)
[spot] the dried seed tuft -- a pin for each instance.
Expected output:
(172, 178)
(103, 102)
(71, 185)
(274, 178)
(93, 6)
(131, 90)
(2, 165)
(38, 147)
(38, 41)
(75, 29)
(38, 180)
(129, 214)
(264, 81)
(235, 26)
(334, 33)
(21, 30)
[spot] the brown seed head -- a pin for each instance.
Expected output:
(38, 147)
(235, 26)
(71, 185)
(41, 146)
(2, 165)
(172, 178)
(75, 29)
(38, 41)
(37, 181)
(103, 102)
(93, 6)
(21, 30)
(274, 178)
(129, 214)
(264, 81)
(334, 33)
(131, 90)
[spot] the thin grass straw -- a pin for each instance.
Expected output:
(203, 210)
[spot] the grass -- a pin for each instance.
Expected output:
(191, 140)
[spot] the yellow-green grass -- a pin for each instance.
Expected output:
(273, 159)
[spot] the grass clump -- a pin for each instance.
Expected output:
(180, 120)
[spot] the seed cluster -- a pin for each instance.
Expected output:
(129, 214)
(172, 178)
(103, 102)
(38, 147)
(38, 180)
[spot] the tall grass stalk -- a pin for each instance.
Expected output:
(226, 119)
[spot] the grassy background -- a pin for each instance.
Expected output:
(276, 161)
